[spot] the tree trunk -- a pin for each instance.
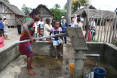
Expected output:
(69, 3)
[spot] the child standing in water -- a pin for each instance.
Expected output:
(25, 48)
(57, 40)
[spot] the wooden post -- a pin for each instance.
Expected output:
(108, 31)
(101, 38)
(105, 31)
(69, 3)
(110, 36)
(99, 27)
(87, 23)
(115, 29)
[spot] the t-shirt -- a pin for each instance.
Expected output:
(75, 20)
(54, 32)
(47, 29)
(73, 24)
(40, 25)
(1, 25)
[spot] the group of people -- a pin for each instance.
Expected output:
(35, 27)
(3, 31)
(42, 28)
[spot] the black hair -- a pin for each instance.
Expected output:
(0, 18)
(56, 21)
(72, 18)
(41, 29)
(78, 19)
(4, 19)
(47, 20)
(34, 12)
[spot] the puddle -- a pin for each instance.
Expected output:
(49, 67)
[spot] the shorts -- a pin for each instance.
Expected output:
(57, 42)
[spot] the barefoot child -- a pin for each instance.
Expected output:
(56, 40)
(25, 48)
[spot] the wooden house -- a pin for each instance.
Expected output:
(11, 12)
(45, 12)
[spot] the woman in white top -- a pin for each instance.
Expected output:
(73, 23)
(5, 28)
(47, 28)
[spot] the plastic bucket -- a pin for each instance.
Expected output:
(72, 68)
(99, 72)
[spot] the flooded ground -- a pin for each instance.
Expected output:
(49, 67)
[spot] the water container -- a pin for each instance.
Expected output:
(72, 68)
(99, 72)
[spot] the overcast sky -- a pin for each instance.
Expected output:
(99, 4)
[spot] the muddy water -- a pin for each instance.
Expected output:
(48, 67)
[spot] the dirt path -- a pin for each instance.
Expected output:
(13, 36)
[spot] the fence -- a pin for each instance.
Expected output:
(105, 28)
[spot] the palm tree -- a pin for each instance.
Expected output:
(57, 6)
(69, 3)
(78, 3)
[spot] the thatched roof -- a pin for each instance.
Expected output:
(13, 8)
(96, 13)
(43, 11)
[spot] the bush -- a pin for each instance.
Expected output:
(114, 42)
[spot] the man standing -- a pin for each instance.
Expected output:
(19, 23)
(75, 19)
(79, 23)
(63, 26)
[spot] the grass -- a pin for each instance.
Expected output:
(94, 40)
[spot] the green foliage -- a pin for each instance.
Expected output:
(114, 42)
(25, 9)
(65, 7)
(6, 0)
(57, 12)
(78, 3)
(57, 6)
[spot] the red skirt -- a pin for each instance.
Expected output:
(25, 48)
